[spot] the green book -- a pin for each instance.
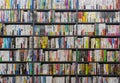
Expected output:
(105, 56)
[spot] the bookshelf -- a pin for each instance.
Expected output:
(59, 41)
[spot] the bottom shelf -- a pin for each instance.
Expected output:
(51, 79)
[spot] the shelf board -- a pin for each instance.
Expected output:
(59, 23)
(107, 23)
(58, 62)
(9, 62)
(100, 62)
(51, 62)
(14, 75)
(17, 9)
(55, 23)
(15, 23)
(57, 10)
(55, 48)
(98, 36)
(60, 75)
(82, 10)
(93, 36)
(15, 35)
(55, 35)
(53, 75)
(98, 10)
(64, 10)
(112, 49)
(15, 48)
(98, 75)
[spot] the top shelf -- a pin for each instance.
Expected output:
(69, 10)
(74, 10)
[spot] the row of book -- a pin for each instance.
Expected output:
(16, 79)
(51, 79)
(16, 69)
(16, 55)
(63, 42)
(80, 56)
(54, 69)
(98, 29)
(55, 30)
(99, 4)
(74, 4)
(82, 69)
(16, 4)
(59, 4)
(103, 43)
(83, 29)
(18, 30)
(53, 16)
(73, 42)
(67, 79)
(18, 42)
(15, 16)
(60, 69)
(98, 55)
(61, 55)
(86, 42)
(99, 17)
(98, 69)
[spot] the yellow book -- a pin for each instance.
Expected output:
(86, 16)
(28, 4)
(7, 1)
(86, 69)
(14, 66)
(107, 70)
(83, 19)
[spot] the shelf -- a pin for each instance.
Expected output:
(17, 9)
(107, 23)
(55, 48)
(55, 36)
(11, 75)
(55, 23)
(53, 75)
(15, 23)
(98, 10)
(62, 75)
(98, 75)
(112, 49)
(15, 48)
(98, 36)
(19, 62)
(100, 62)
(60, 23)
(58, 62)
(81, 10)
(51, 62)
(15, 36)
